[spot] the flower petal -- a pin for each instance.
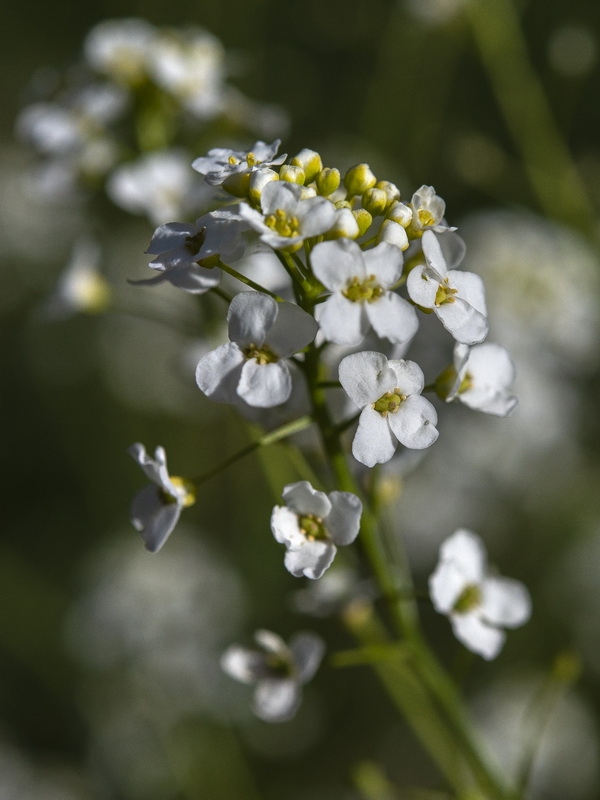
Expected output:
(385, 263)
(343, 521)
(463, 321)
(154, 468)
(433, 254)
(373, 442)
(316, 216)
(342, 321)
(250, 317)
(336, 263)
(422, 288)
(218, 373)
(470, 287)
(307, 652)
(276, 699)
(366, 376)
(414, 423)
(291, 331)
(303, 499)
(393, 318)
(311, 559)
(477, 636)
(466, 550)
(243, 664)
(409, 376)
(265, 385)
(153, 517)
(285, 527)
(505, 602)
(446, 584)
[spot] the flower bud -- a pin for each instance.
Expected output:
(292, 174)
(363, 220)
(343, 204)
(258, 180)
(344, 224)
(328, 181)
(310, 162)
(391, 190)
(307, 191)
(375, 201)
(393, 233)
(358, 179)
(400, 213)
(237, 184)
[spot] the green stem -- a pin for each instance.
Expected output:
(248, 281)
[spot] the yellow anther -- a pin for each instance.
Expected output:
(468, 600)
(186, 492)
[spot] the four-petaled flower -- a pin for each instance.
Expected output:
(484, 374)
(479, 604)
(311, 524)
(286, 218)
(428, 211)
(278, 670)
(389, 393)
(252, 366)
(360, 282)
(221, 162)
(156, 509)
(455, 296)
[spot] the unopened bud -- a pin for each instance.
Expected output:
(292, 174)
(307, 191)
(328, 181)
(310, 162)
(257, 182)
(238, 184)
(358, 179)
(375, 201)
(401, 213)
(393, 233)
(391, 190)
(363, 220)
(344, 225)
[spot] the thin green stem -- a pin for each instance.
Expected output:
(248, 281)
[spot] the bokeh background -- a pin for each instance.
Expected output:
(110, 685)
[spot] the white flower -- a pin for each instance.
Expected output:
(455, 296)
(484, 375)
(120, 48)
(360, 283)
(81, 288)
(311, 524)
(181, 248)
(251, 366)
(221, 162)
(287, 219)
(156, 509)
(478, 603)
(389, 393)
(428, 212)
(278, 670)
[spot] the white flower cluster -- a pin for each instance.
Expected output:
(340, 241)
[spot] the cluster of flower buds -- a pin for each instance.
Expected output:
(355, 262)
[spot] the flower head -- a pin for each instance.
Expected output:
(252, 366)
(221, 162)
(286, 218)
(156, 509)
(428, 212)
(389, 393)
(456, 297)
(278, 670)
(483, 377)
(361, 298)
(311, 524)
(478, 603)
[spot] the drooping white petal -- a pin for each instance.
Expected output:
(409, 376)
(311, 559)
(414, 423)
(505, 602)
(366, 376)
(153, 517)
(482, 639)
(250, 317)
(342, 321)
(276, 699)
(243, 664)
(303, 499)
(453, 248)
(190, 278)
(291, 331)
(433, 254)
(465, 549)
(392, 317)
(218, 373)
(154, 468)
(264, 385)
(307, 652)
(463, 321)
(422, 288)
(373, 442)
(343, 521)
(385, 263)
(336, 263)
(285, 527)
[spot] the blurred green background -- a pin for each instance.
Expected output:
(109, 685)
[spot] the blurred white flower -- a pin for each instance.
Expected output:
(121, 48)
(81, 288)
(478, 603)
(278, 670)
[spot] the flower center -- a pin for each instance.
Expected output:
(279, 666)
(251, 160)
(389, 402)
(444, 294)
(263, 355)
(283, 224)
(426, 218)
(186, 492)
(312, 527)
(366, 291)
(468, 600)
(466, 383)
(194, 242)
